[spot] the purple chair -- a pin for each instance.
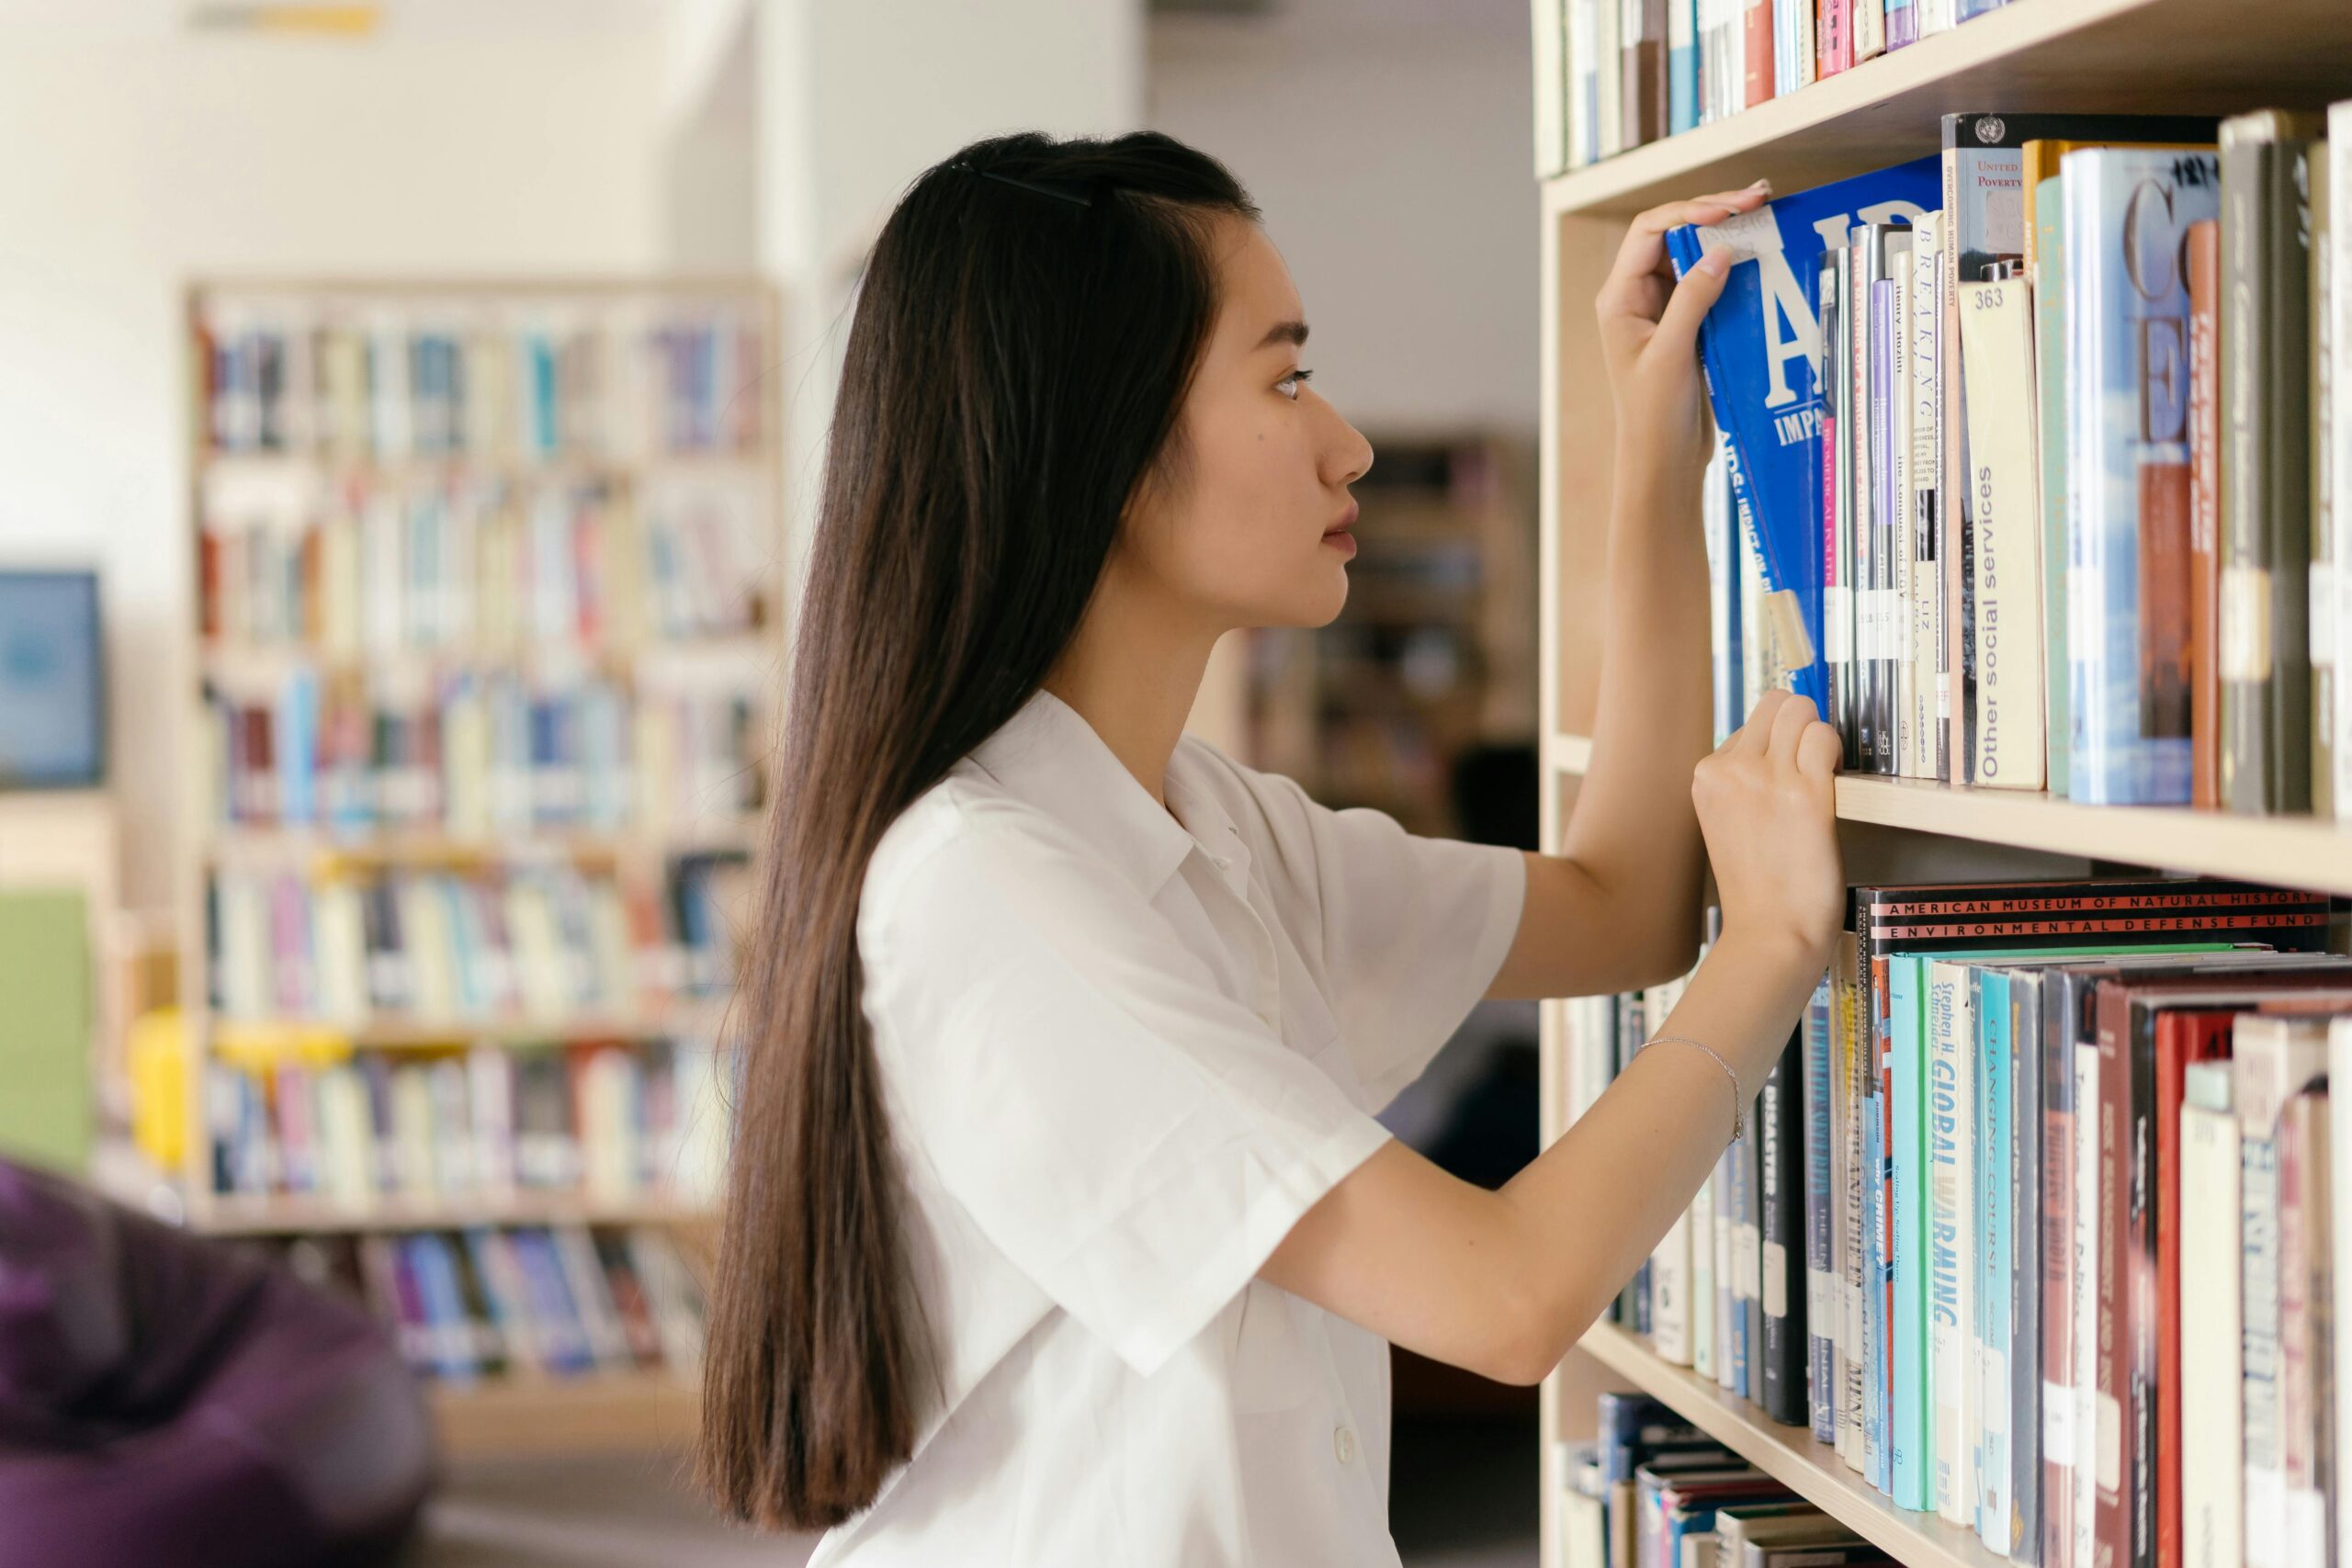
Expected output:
(168, 1402)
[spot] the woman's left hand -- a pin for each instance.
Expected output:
(1649, 334)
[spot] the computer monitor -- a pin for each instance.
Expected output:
(53, 681)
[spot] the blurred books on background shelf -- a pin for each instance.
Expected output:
(488, 635)
(1434, 652)
(529, 1305)
(2030, 467)
(456, 1130)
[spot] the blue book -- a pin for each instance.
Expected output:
(1907, 1441)
(1970, 9)
(1820, 1262)
(1682, 65)
(1759, 345)
(1902, 24)
(298, 747)
(1993, 1077)
(449, 1331)
(1631, 1427)
(1874, 1467)
(555, 1319)
(2127, 468)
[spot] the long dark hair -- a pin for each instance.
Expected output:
(1026, 330)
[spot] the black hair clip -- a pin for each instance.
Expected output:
(1056, 192)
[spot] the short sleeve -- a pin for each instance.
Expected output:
(1132, 1139)
(1412, 930)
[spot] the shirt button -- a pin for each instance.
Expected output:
(1343, 1443)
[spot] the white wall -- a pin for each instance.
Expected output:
(130, 163)
(1389, 143)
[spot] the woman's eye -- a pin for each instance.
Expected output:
(1292, 383)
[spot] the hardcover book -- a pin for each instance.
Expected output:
(1996, 349)
(2265, 472)
(2127, 468)
(1759, 345)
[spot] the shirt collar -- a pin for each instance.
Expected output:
(1048, 756)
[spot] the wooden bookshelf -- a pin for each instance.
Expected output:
(2046, 56)
(309, 1214)
(1789, 1455)
(2286, 851)
(592, 398)
(613, 1413)
(2171, 56)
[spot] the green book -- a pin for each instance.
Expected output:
(45, 990)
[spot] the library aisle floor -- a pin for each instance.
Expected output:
(1470, 1509)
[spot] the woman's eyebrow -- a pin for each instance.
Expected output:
(1292, 332)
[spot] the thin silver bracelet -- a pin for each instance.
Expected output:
(1739, 1123)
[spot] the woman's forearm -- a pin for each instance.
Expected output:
(1596, 1203)
(1634, 831)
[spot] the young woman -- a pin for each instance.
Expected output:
(1060, 1229)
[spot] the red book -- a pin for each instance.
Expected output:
(1834, 38)
(1759, 18)
(2130, 1525)
(2204, 267)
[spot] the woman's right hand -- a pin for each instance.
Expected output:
(1767, 804)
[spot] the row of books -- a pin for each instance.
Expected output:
(522, 942)
(1969, 1268)
(537, 1302)
(1613, 74)
(2032, 454)
(374, 565)
(1651, 1491)
(608, 1123)
(389, 381)
(475, 752)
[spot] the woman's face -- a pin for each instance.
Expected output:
(1249, 528)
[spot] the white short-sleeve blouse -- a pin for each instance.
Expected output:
(1124, 1048)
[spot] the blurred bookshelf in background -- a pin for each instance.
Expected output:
(1434, 653)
